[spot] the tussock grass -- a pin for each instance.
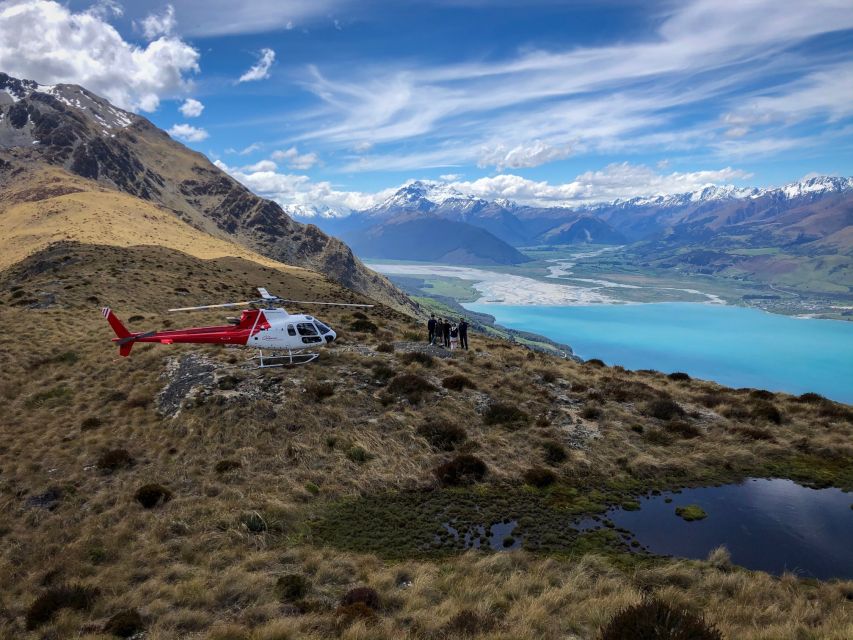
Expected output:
(125, 624)
(463, 469)
(50, 602)
(152, 495)
(656, 619)
(442, 436)
(191, 568)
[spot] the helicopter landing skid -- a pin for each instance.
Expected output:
(292, 358)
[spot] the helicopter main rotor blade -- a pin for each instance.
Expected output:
(217, 306)
(334, 304)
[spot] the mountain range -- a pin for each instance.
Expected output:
(75, 167)
(715, 229)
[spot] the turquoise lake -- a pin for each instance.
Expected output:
(735, 346)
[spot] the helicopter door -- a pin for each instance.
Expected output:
(291, 330)
(309, 333)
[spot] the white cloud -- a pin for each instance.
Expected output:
(615, 181)
(191, 108)
(188, 133)
(261, 69)
(450, 177)
(523, 155)
(47, 42)
(262, 165)
(154, 26)
(295, 160)
(299, 194)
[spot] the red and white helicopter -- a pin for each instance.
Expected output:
(269, 327)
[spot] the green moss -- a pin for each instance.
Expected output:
(691, 512)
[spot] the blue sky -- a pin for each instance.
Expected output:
(329, 104)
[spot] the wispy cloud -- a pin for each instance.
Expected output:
(536, 106)
(261, 69)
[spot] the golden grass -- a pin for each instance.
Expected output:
(89, 214)
(193, 568)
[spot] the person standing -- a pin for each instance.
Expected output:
(431, 328)
(454, 337)
(463, 334)
(445, 329)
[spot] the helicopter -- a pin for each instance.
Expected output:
(268, 327)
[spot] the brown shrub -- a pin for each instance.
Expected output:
(224, 466)
(595, 362)
(663, 409)
(114, 459)
(463, 469)
(382, 372)
(419, 357)
(655, 620)
(292, 587)
(346, 615)
(442, 436)
(152, 495)
(811, 398)
(63, 597)
(683, 429)
(363, 326)
(92, 422)
(319, 391)
(678, 376)
(138, 401)
(555, 453)
(540, 477)
(458, 382)
(763, 410)
(385, 347)
(591, 411)
(411, 386)
(125, 624)
(505, 414)
(658, 436)
(548, 375)
(366, 596)
(468, 623)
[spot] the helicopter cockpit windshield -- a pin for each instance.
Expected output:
(323, 328)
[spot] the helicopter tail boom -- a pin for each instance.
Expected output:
(124, 338)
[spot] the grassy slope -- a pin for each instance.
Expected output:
(194, 569)
(82, 211)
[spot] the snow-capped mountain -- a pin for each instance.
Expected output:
(106, 116)
(812, 186)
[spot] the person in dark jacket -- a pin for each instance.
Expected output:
(431, 328)
(445, 329)
(463, 334)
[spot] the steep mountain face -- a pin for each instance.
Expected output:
(73, 130)
(431, 238)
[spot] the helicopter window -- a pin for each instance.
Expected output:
(291, 330)
(323, 328)
(306, 329)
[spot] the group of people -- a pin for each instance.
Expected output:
(443, 331)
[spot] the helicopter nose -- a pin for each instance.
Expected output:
(330, 337)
